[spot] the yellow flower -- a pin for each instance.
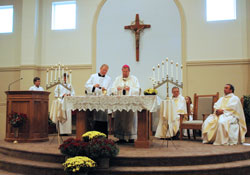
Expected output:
(93, 134)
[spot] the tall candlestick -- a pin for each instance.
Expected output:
(51, 75)
(172, 69)
(70, 77)
(158, 71)
(177, 77)
(167, 66)
(162, 70)
(47, 77)
(154, 78)
(56, 72)
(181, 74)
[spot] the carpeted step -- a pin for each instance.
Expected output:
(23, 166)
(2, 172)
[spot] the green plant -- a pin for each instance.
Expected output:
(78, 164)
(246, 107)
(102, 148)
(73, 147)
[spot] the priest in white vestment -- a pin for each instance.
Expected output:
(64, 117)
(100, 83)
(125, 123)
(180, 107)
(36, 86)
(227, 125)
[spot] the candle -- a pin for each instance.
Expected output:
(67, 75)
(62, 73)
(162, 69)
(47, 77)
(153, 74)
(172, 69)
(158, 71)
(181, 74)
(70, 77)
(177, 77)
(56, 72)
(51, 75)
(167, 66)
(59, 71)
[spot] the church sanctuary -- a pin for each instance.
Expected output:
(125, 87)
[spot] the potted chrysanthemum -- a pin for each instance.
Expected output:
(79, 165)
(88, 136)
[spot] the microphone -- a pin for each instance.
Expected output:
(13, 83)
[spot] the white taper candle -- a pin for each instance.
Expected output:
(47, 77)
(51, 75)
(70, 77)
(162, 70)
(181, 80)
(62, 73)
(172, 69)
(177, 75)
(56, 73)
(158, 71)
(167, 66)
(59, 71)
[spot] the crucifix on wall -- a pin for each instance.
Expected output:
(137, 27)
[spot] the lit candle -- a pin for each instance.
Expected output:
(51, 75)
(153, 74)
(47, 77)
(56, 72)
(158, 71)
(162, 69)
(177, 77)
(70, 77)
(181, 74)
(172, 69)
(167, 66)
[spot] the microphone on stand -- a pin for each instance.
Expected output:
(13, 83)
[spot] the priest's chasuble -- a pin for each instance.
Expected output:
(230, 127)
(125, 123)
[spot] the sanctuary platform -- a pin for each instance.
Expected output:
(186, 157)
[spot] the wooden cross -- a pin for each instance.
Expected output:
(137, 26)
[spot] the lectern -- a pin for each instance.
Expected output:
(35, 105)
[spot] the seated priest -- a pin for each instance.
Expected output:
(57, 113)
(125, 123)
(227, 125)
(100, 83)
(180, 107)
(36, 86)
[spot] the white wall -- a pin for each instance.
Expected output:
(116, 46)
(214, 40)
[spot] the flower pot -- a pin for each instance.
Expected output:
(102, 163)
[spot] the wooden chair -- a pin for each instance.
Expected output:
(203, 106)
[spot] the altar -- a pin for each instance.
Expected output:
(141, 104)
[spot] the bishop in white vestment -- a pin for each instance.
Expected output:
(98, 84)
(36, 86)
(172, 119)
(227, 125)
(125, 123)
(64, 117)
